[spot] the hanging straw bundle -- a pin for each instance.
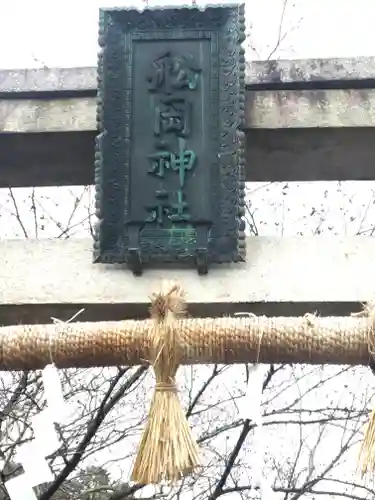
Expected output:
(167, 450)
(366, 458)
(367, 451)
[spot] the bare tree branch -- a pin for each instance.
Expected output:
(108, 402)
(247, 426)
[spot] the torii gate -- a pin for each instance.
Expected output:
(273, 274)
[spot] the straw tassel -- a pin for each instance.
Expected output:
(366, 459)
(167, 450)
(367, 451)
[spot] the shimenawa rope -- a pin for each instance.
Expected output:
(168, 450)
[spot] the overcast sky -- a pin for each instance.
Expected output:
(64, 33)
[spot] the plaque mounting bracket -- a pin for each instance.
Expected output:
(202, 249)
(134, 251)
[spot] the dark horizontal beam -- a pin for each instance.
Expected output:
(47, 159)
(311, 154)
(29, 314)
(330, 143)
(304, 154)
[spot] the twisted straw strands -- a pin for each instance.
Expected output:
(309, 339)
(168, 450)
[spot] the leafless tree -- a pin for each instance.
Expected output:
(313, 415)
(313, 420)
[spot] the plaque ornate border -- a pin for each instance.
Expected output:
(118, 27)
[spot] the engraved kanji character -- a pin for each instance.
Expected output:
(160, 209)
(183, 161)
(161, 161)
(179, 210)
(170, 73)
(174, 115)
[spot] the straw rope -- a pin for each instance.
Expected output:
(168, 450)
(308, 339)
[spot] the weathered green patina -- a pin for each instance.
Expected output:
(170, 149)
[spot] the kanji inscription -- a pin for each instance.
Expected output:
(170, 149)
